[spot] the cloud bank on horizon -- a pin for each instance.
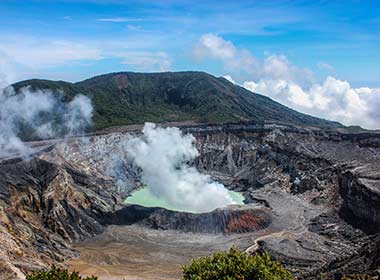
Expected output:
(296, 87)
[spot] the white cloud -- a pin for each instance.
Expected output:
(246, 66)
(279, 67)
(35, 53)
(333, 99)
(134, 27)
(6, 72)
(213, 46)
(146, 61)
(229, 78)
(325, 66)
(239, 61)
(277, 89)
(296, 87)
(25, 55)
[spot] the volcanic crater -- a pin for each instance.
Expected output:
(305, 190)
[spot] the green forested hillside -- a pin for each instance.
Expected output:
(129, 98)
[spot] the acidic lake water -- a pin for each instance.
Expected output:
(145, 198)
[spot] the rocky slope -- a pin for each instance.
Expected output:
(326, 180)
(229, 220)
(317, 192)
(43, 208)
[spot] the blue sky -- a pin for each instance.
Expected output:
(342, 34)
(318, 57)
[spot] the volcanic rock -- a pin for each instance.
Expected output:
(43, 208)
(315, 196)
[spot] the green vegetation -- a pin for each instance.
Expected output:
(231, 265)
(129, 98)
(56, 273)
(236, 265)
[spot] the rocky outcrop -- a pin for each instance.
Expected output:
(332, 174)
(44, 207)
(229, 220)
(361, 201)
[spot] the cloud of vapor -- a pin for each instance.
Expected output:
(163, 154)
(278, 78)
(28, 114)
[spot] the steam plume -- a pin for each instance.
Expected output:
(162, 154)
(38, 114)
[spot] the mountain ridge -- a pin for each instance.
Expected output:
(123, 98)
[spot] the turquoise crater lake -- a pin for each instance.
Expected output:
(144, 197)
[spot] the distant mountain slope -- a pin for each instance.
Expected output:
(129, 98)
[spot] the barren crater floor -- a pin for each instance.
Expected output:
(134, 252)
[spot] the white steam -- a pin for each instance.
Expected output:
(163, 154)
(38, 114)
